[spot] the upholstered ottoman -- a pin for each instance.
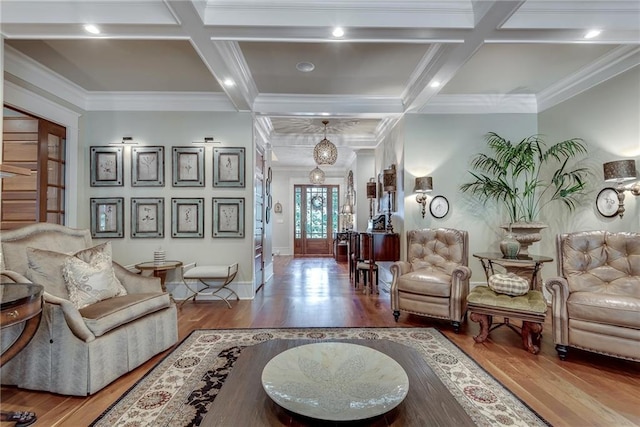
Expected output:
(530, 308)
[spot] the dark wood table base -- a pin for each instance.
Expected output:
(243, 402)
(531, 330)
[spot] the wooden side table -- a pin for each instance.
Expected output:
(20, 302)
(522, 265)
(159, 270)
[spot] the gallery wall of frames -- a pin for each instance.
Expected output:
(146, 214)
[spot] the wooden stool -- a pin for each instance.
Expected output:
(531, 309)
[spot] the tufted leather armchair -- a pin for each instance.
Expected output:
(596, 298)
(434, 281)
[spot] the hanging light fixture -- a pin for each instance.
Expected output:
(316, 176)
(325, 151)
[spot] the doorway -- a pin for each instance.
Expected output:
(40, 146)
(315, 219)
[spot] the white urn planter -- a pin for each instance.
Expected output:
(526, 233)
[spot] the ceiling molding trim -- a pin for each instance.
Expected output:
(231, 54)
(610, 65)
(385, 127)
(158, 101)
(21, 98)
(327, 105)
(97, 12)
(423, 73)
(347, 13)
(310, 140)
(33, 72)
(447, 64)
(264, 128)
(574, 14)
(480, 104)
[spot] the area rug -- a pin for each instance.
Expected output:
(180, 388)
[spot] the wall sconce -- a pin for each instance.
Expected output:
(389, 185)
(423, 185)
(620, 171)
(372, 189)
(126, 140)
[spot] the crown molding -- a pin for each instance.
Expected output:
(158, 101)
(335, 105)
(606, 67)
(480, 104)
(32, 72)
(352, 13)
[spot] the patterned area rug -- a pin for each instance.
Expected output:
(180, 388)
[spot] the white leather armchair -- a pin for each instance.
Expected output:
(434, 281)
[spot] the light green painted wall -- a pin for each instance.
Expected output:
(174, 129)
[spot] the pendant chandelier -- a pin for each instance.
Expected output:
(325, 151)
(316, 176)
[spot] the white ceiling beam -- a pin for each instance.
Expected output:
(606, 67)
(344, 13)
(223, 59)
(324, 105)
(453, 57)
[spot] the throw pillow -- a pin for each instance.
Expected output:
(88, 283)
(509, 284)
(45, 268)
(97, 254)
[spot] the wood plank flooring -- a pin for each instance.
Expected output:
(585, 390)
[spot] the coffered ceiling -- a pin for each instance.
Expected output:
(396, 57)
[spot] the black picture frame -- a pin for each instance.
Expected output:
(107, 217)
(187, 218)
(229, 167)
(187, 166)
(228, 217)
(147, 217)
(106, 167)
(147, 166)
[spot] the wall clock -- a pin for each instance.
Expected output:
(607, 202)
(439, 207)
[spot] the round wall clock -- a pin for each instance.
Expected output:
(607, 202)
(439, 207)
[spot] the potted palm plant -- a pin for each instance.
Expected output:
(525, 177)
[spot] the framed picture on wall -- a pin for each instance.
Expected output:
(106, 166)
(188, 166)
(147, 217)
(147, 166)
(187, 218)
(228, 167)
(228, 217)
(107, 217)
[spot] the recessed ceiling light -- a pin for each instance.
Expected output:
(435, 83)
(229, 83)
(305, 66)
(592, 33)
(90, 28)
(338, 32)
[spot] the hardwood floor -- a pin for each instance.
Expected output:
(585, 390)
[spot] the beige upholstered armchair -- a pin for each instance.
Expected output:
(434, 281)
(596, 298)
(82, 345)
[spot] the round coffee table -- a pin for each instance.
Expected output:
(19, 302)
